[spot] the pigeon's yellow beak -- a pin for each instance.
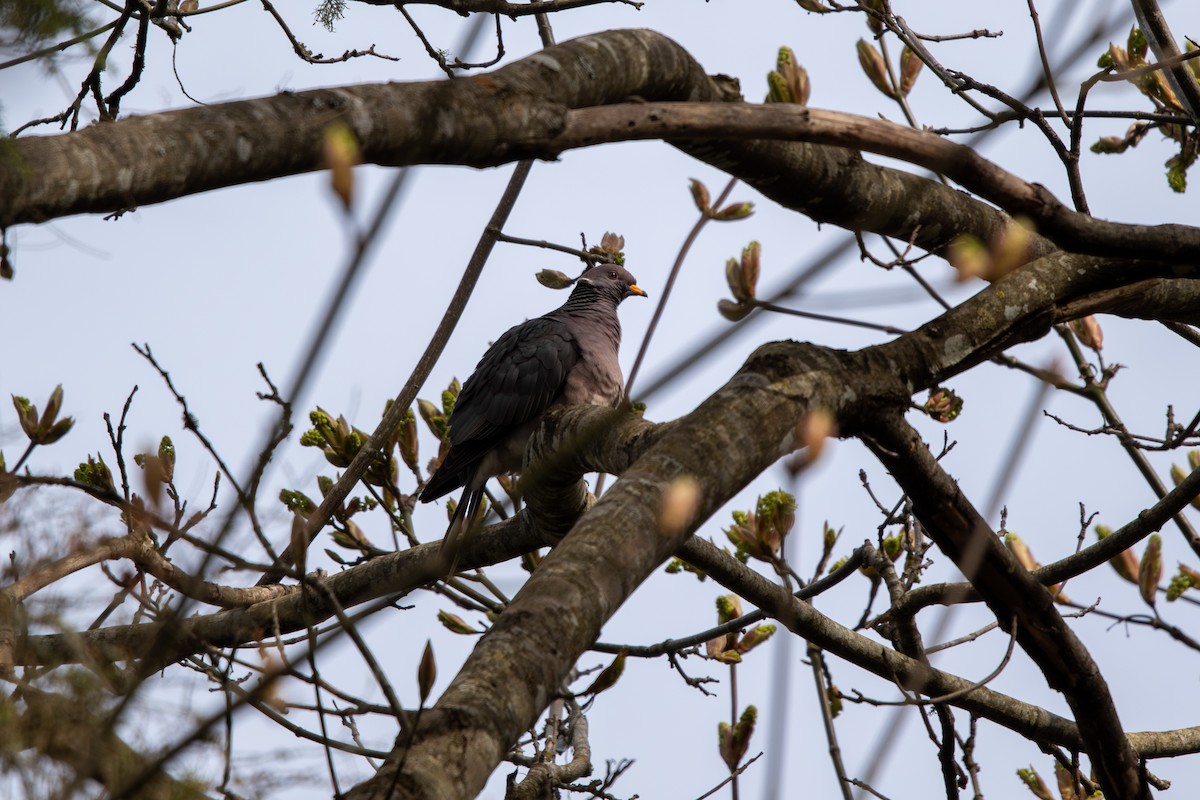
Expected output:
(639, 291)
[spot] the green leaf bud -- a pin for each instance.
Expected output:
(553, 279)
(455, 624)
(1150, 572)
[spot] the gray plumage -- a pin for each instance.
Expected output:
(567, 357)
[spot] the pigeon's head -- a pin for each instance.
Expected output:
(611, 280)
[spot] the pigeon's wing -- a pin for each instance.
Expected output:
(517, 379)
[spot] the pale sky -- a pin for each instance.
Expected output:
(218, 282)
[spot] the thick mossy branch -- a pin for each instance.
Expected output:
(542, 105)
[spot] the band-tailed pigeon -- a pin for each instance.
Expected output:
(567, 357)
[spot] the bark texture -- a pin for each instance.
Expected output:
(745, 426)
(480, 121)
(535, 107)
(516, 111)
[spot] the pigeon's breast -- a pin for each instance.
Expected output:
(595, 380)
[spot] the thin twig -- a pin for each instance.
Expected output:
(58, 48)
(395, 413)
(1046, 71)
(680, 257)
(817, 661)
(734, 775)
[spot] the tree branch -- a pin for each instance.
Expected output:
(1148, 521)
(69, 731)
(1030, 721)
(483, 120)
(1071, 230)
(503, 7)
(745, 426)
(1013, 594)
